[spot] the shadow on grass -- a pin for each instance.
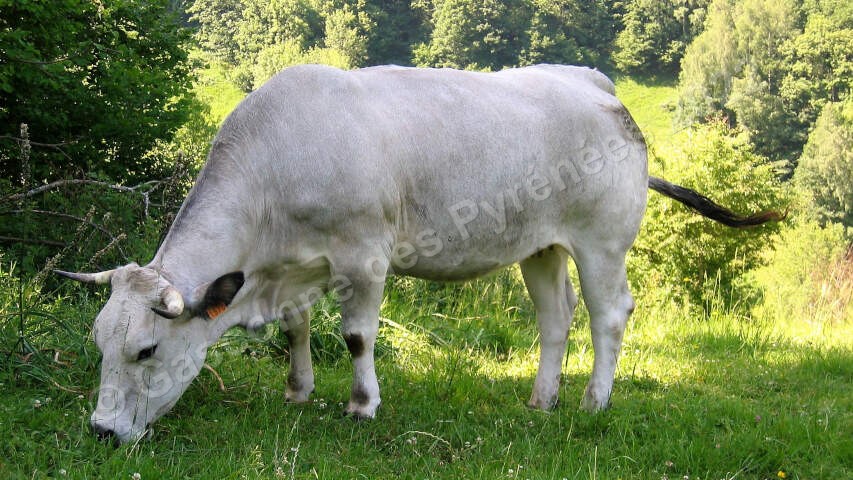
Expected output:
(739, 413)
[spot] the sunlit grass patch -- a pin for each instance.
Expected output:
(213, 88)
(708, 398)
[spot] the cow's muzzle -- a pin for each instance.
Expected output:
(105, 434)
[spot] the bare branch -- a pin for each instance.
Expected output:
(43, 62)
(35, 144)
(114, 243)
(60, 183)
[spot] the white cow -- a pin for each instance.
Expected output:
(329, 180)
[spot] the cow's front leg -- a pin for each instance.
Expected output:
(300, 379)
(360, 323)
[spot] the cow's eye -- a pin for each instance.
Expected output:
(146, 353)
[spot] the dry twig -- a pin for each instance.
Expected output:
(83, 181)
(215, 374)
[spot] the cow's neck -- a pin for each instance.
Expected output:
(216, 232)
(191, 267)
(203, 242)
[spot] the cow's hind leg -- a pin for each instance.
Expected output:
(605, 291)
(300, 379)
(547, 283)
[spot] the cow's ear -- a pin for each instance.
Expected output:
(219, 295)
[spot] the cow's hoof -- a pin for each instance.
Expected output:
(538, 403)
(595, 402)
(361, 412)
(304, 396)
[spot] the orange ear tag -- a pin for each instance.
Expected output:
(215, 310)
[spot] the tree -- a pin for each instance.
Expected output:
(735, 69)
(400, 24)
(475, 34)
(273, 22)
(819, 70)
(656, 33)
(826, 167)
(490, 35)
(100, 81)
(217, 21)
(347, 31)
(257, 38)
(838, 12)
(568, 32)
(762, 29)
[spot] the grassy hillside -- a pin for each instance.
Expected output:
(708, 399)
(215, 90)
(699, 396)
(651, 104)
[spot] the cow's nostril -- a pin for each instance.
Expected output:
(103, 433)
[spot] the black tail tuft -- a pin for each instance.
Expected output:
(708, 208)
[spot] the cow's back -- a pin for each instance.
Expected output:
(415, 152)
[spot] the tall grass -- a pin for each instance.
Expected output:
(807, 284)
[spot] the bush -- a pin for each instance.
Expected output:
(91, 222)
(98, 83)
(686, 253)
(94, 221)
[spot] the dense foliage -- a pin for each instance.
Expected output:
(656, 33)
(712, 260)
(826, 167)
(259, 38)
(98, 83)
(769, 66)
(490, 35)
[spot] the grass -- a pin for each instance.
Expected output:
(213, 89)
(706, 398)
(721, 396)
(651, 103)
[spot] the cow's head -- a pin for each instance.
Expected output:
(153, 341)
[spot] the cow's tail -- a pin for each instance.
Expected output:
(706, 207)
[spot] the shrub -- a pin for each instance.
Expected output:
(98, 83)
(90, 222)
(687, 253)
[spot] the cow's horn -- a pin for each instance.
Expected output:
(174, 302)
(99, 278)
